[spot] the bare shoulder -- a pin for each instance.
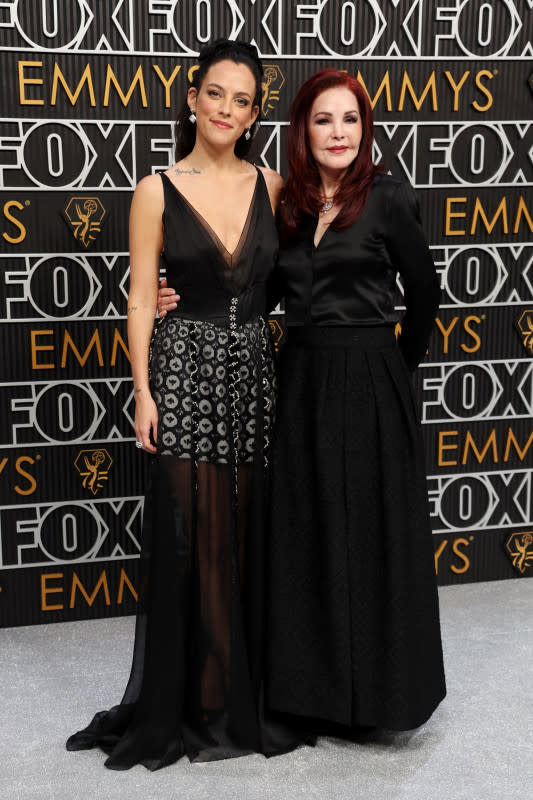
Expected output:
(148, 194)
(273, 179)
(274, 184)
(150, 187)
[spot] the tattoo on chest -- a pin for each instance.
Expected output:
(192, 171)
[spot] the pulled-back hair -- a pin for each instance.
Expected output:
(220, 50)
(302, 191)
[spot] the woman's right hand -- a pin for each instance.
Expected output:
(167, 299)
(145, 420)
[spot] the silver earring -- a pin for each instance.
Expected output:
(248, 135)
(192, 117)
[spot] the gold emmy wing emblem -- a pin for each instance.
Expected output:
(277, 332)
(93, 466)
(525, 326)
(273, 82)
(85, 216)
(520, 549)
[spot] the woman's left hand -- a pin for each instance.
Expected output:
(167, 299)
(145, 420)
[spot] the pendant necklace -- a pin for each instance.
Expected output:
(326, 206)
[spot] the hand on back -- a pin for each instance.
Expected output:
(167, 299)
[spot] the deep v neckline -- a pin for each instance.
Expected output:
(317, 245)
(230, 255)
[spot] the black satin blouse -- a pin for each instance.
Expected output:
(349, 279)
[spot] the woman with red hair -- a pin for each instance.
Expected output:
(353, 634)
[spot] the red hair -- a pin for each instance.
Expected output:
(302, 190)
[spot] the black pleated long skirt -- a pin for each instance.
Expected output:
(354, 635)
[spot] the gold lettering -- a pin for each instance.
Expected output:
(479, 211)
(118, 340)
(191, 71)
(125, 581)
(522, 210)
(489, 444)
(7, 213)
(59, 78)
(441, 447)
(102, 583)
(511, 439)
(35, 348)
(464, 558)
(408, 86)
(46, 590)
(3, 463)
(31, 480)
(23, 82)
(446, 331)
(475, 336)
(95, 342)
(383, 86)
(456, 87)
(111, 78)
(452, 214)
(438, 552)
(167, 83)
(484, 73)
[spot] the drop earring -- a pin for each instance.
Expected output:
(248, 135)
(192, 117)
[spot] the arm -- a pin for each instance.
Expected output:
(275, 287)
(146, 243)
(411, 256)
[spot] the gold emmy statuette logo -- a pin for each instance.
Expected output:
(277, 332)
(273, 82)
(520, 549)
(85, 216)
(525, 326)
(93, 466)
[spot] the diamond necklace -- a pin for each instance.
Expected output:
(326, 206)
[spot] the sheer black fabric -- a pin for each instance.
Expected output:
(196, 682)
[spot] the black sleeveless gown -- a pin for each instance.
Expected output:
(196, 682)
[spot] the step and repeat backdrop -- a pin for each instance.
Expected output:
(89, 94)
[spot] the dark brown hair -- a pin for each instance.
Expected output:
(220, 50)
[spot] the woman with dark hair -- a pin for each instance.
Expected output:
(206, 414)
(354, 637)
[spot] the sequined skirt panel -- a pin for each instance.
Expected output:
(213, 387)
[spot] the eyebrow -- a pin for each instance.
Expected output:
(329, 114)
(218, 86)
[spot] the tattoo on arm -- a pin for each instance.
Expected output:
(132, 308)
(192, 171)
(136, 391)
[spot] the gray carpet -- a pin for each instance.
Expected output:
(477, 746)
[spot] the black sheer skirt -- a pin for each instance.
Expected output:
(197, 677)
